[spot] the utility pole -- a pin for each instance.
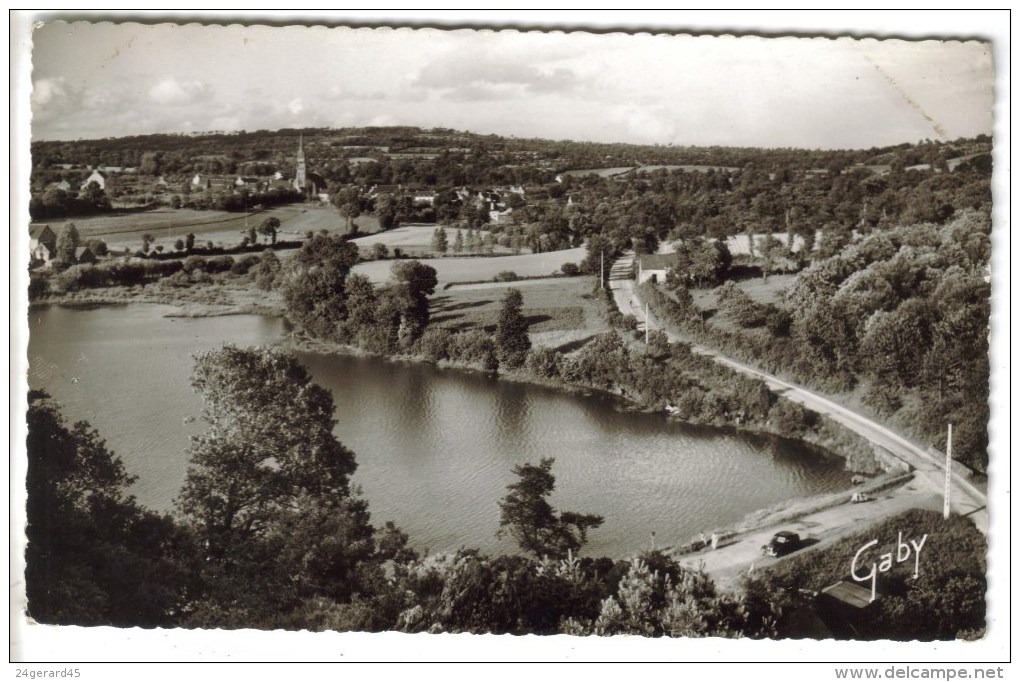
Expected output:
(646, 324)
(602, 268)
(949, 473)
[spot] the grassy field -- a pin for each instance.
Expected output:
(760, 292)
(415, 240)
(479, 268)
(125, 229)
(561, 313)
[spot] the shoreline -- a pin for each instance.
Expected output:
(293, 341)
(782, 512)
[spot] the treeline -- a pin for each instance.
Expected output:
(57, 203)
(179, 152)
(903, 314)
(641, 211)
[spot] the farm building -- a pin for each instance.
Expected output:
(42, 243)
(83, 255)
(652, 267)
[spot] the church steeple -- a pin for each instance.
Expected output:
(300, 177)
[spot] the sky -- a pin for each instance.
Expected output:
(93, 80)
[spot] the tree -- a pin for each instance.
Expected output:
(94, 196)
(526, 515)
(94, 557)
(189, 241)
(67, 242)
(348, 202)
(267, 273)
(179, 245)
(387, 210)
(512, 342)
(269, 228)
(440, 244)
(458, 242)
(413, 283)
(314, 288)
(267, 491)
(98, 247)
(380, 251)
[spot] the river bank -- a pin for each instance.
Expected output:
(231, 296)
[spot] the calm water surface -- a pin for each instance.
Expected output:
(435, 448)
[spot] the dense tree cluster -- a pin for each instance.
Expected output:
(901, 313)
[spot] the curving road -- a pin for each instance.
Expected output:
(928, 464)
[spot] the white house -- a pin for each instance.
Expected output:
(98, 177)
(652, 267)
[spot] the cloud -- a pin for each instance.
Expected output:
(49, 91)
(463, 77)
(171, 92)
(296, 106)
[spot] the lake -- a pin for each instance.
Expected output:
(435, 447)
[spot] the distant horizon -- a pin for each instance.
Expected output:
(94, 80)
(675, 145)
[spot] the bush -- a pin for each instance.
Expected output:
(83, 277)
(543, 362)
(571, 269)
(192, 263)
(242, 265)
(473, 347)
(154, 268)
(38, 287)
(434, 343)
(218, 264)
(506, 276)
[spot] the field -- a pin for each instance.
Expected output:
(414, 240)
(739, 244)
(480, 268)
(759, 291)
(124, 229)
(561, 313)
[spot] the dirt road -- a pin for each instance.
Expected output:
(928, 464)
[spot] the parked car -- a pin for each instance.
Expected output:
(861, 497)
(783, 542)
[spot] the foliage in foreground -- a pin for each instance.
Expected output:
(946, 601)
(270, 534)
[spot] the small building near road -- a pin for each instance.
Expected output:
(652, 267)
(846, 609)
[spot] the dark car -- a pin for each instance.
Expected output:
(781, 543)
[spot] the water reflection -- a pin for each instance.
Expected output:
(435, 447)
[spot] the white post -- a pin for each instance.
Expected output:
(602, 268)
(949, 473)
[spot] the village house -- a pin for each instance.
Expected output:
(425, 198)
(42, 243)
(84, 255)
(652, 267)
(99, 177)
(497, 217)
